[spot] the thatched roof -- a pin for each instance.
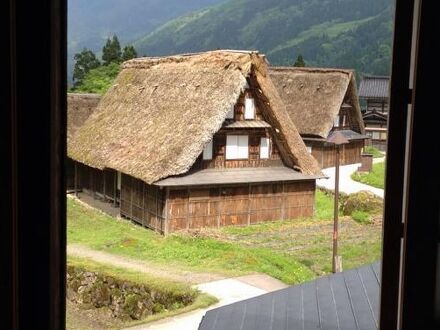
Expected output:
(314, 96)
(79, 108)
(156, 118)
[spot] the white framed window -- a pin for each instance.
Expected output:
(207, 151)
(376, 135)
(264, 147)
(309, 149)
(230, 114)
(336, 122)
(237, 147)
(249, 108)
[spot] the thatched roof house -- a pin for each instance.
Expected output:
(318, 101)
(314, 97)
(157, 117)
(79, 108)
(195, 140)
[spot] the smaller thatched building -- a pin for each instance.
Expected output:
(320, 101)
(196, 140)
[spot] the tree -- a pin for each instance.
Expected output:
(111, 52)
(84, 62)
(299, 61)
(128, 53)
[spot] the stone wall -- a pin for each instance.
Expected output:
(123, 299)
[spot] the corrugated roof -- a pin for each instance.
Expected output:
(347, 300)
(247, 124)
(236, 175)
(374, 87)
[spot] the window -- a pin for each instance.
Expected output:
(207, 151)
(230, 114)
(249, 110)
(237, 147)
(264, 148)
(309, 149)
(336, 122)
(376, 135)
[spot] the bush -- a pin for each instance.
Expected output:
(361, 216)
(362, 201)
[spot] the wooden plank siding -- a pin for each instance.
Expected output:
(325, 154)
(198, 207)
(143, 203)
(95, 182)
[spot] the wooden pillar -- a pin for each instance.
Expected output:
(219, 209)
(165, 223)
(249, 206)
(187, 209)
(143, 204)
(115, 188)
(75, 183)
(283, 203)
(103, 184)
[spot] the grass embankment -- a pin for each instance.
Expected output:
(79, 318)
(373, 151)
(375, 178)
(96, 230)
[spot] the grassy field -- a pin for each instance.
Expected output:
(375, 178)
(96, 230)
(292, 251)
(78, 318)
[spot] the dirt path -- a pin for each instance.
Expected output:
(170, 273)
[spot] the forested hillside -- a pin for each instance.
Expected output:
(341, 33)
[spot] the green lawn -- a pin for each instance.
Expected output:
(96, 230)
(292, 251)
(375, 178)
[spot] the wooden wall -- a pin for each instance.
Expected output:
(325, 154)
(96, 182)
(219, 151)
(255, 134)
(142, 203)
(192, 208)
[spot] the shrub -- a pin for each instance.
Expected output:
(361, 216)
(373, 151)
(362, 201)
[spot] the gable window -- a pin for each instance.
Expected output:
(336, 122)
(237, 147)
(264, 148)
(230, 114)
(249, 110)
(207, 151)
(309, 149)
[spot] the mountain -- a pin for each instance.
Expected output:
(336, 33)
(91, 22)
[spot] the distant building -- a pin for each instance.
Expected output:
(320, 101)
(373, 91)
(191, 141)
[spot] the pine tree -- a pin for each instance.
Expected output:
(299, 61)
(111, 52)
(84, 62)
(128, 53)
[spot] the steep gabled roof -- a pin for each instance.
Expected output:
(374, 87)
(314, 96)
(79, 108)
(156, 118)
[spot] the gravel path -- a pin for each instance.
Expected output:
(170, 273)
(346, 184)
